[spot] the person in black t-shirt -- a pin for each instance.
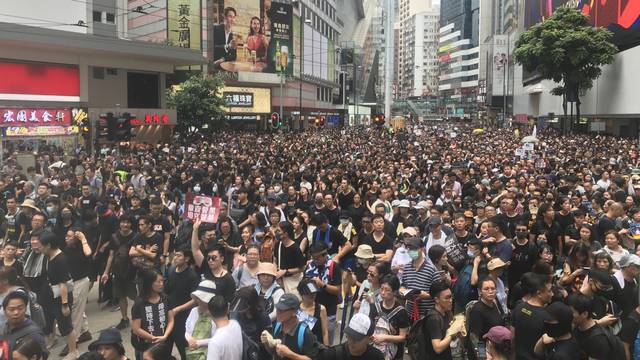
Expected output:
(558, 343)
(486, 313)
(381, 243)
(629, 332)
(437, 322)
(162, 225)
(152, 319)
(358, 346)
(528, 316)
(79, 249)
(61, 287)
(393, 313)
(337, 244)
(595, 341)
(119, 266)
(181, 282)
(147, 244)
(210, 267)
(135, 211)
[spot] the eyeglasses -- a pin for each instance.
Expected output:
(212, 258)
(372, 274)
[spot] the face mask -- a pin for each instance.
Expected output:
(344, 221)
(522, 234)
(554, 330)
(196, 189)
(67, 216)
(50, 210)
(413, 254)
(471, 254)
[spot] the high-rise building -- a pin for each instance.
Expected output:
(408, 40)
(458, 55)
(419, 56)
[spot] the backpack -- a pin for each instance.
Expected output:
(300, 334)
(250, 349)
(614, 342)
(417, 340)
(463, 291)
(383, 326)
(636, 344)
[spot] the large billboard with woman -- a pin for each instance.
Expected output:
(250, 35)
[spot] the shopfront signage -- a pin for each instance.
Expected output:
(255, 100)
(247, 117)
(238, 99)
(24, 131)
(150, 119)
(29, 117)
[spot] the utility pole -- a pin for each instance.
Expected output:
(281, 93)
(389, 49)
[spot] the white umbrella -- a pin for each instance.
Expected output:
(57, 165)
(530, 139)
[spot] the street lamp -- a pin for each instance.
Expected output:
(306, 21)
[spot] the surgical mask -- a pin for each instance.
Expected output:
(554, 330)
(522, 234)
(471, 254)
(414, 254)
(50, 210)
(606, 293)
(196, 189)
(344, 221)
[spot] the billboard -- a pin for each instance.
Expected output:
(499, 64)
(39, 81)
(184, 23)
(247, 100)
(250, 36)
(621, 18)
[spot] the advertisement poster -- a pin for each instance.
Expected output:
(250, 36)
(499, 65)
(203, 208)
(183, 23)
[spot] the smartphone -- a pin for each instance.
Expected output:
(482, 350)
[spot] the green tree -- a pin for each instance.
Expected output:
(565, 48)
(198, 102)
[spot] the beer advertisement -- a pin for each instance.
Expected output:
(250, 36)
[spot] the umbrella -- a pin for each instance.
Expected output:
(530, 139)
(57, 165)
(478, 131)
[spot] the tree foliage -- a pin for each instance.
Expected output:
(565, 48)
(198, 102)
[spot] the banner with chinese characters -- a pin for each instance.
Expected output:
(203, 208)
(15, 131)
(184, 23)
(246, 100)
(28, 117)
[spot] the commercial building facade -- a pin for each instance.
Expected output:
(88, 70)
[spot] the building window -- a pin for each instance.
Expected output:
(111, 18)
(97, 16)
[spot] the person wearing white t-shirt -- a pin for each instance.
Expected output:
(226, 343)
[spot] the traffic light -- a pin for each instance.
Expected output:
(111, 126)
(378, 120)
(275, 119)
(124, 127)
(319, 120)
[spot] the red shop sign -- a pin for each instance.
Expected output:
(151, 119)
(35, 117)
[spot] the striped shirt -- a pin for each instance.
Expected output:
(419, 280)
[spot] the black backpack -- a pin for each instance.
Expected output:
(121, 263)
(250, 349)
(615, 343)
(417, 340)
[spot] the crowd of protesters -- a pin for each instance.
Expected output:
(433, 242)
